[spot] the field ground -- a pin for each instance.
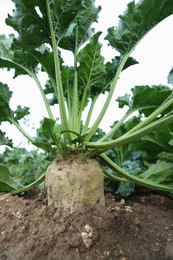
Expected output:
(139, 228)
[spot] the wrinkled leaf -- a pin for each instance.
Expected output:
(5, 140)
(91, 70)
(19, 60)
(137, 21)
(125, 189)
(111, 67)
(165, 156)
(21, 112)
(5, 95)
(30, 20)
(31, 25)
(79, 30)
(146, 99)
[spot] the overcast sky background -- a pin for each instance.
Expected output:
(154, 54)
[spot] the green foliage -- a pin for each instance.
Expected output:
(43, 29)
(20, 167)
(138, 20)
(48, 135)
(7, 184)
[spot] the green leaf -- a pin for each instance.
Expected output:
(146, 99)
(22, 61)
(30, 22)
(158, 172)
(81, 24)
(91, 70)
(111, 67)
(5, 95)
(161, 138)
(7, 184)
(48, 135)
(137, 21)
(170, 77)
(21, 112)
(152, 97)
(124, 101)
(125, 189)
(165, 156)
(5, 140)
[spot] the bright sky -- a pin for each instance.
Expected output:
(154, 54)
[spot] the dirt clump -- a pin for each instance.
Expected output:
(140, 227)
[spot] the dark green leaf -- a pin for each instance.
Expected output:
(146, 99)
(48, 135)
(170, 77)
(137, 21)
(80, 26)
(161, 138)
(151, 97)
(5, 140)
(124, 101)
(154, 143)
(5, 95)
(20, 60)
(7, 184)
(30, 20)
(91, 70)
(31, 26)
(21, 112)
(41, 143)
(111, 67)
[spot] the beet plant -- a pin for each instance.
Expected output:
(81, 157)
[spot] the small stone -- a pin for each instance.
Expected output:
(88, 229)
(128, 209)
(122, 202)
(87, 240)
(87, 236)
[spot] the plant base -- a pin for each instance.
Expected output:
(74, 184)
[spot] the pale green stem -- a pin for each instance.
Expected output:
(94, 127)
(125, 139)
(86, 126)
(114, 177)
(115, 127)
(30, 186)
(34, 77)
(153, 115)
(44, 97)
(75, 105)
(61, 99)
(12, 121)
(135, 179)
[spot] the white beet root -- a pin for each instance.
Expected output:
(72, 184)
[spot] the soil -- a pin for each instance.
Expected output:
(140, 227)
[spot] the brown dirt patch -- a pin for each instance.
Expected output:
(142, 228)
